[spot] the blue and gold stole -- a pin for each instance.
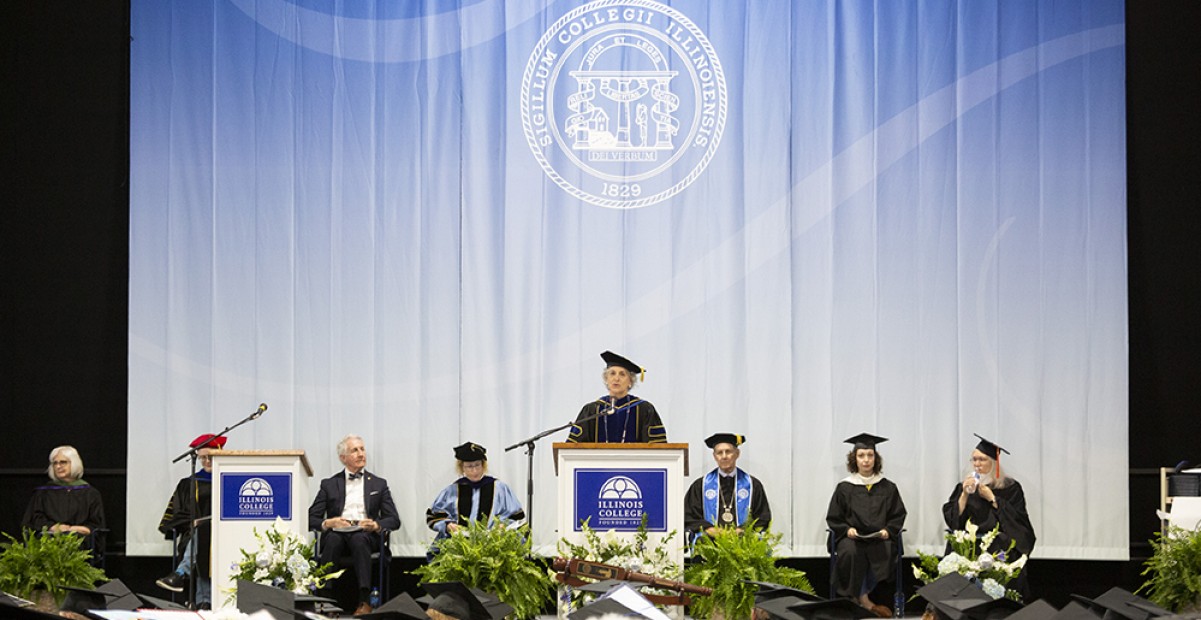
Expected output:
(742, 497)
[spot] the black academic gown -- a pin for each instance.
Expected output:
(1010, 513)
(868, 509)
(637, 423)
(70, 504)
(694, 505)
(190, 502)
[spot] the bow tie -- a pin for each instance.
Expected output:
(354, 476)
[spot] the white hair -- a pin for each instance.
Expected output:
(71, 454)
(342, 450)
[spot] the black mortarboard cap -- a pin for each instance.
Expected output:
(1075, 611)
(1038, 610)
(154, 602)
(119, 595)
(1119, 604)
(730, 438)
(470, 452)
(613, 359)
(278, 603)
(21, 609)
(399, 608)
(768, 591)
(456, 600)
(834, 609)
(991, 449)
(865, 440)
(611, 603)
(949, 588)
(992, 609)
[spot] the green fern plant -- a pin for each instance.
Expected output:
(726, 561)
(495, 559)
(1175, 570)
(44, 561)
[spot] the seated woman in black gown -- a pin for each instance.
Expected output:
(989, 498)
(67, 503)
(866, 515)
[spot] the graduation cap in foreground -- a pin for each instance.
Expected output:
(278, 603)
(947, 593)
(730, 438)
(399, 608)
(991, 449)
(833, 609)
(1119, 604)
(21, 609)
(992, 609)
(454, 599)
(613, 359)
(83, 600)
(1075, 611)
(865, 440)
(769, 591)
(621, 599)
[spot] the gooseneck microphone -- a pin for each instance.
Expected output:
(257, 414)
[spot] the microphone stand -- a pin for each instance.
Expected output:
(529, 444)
(192, 454)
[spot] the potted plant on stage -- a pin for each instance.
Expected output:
(282, 560)
(1174, 571)
(41, 567)
(730, 559)
(969, 557)
(630, 553)
(496, 559)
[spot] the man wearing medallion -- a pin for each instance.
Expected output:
(726, 496)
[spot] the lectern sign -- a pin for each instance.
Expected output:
(256, 496)
(616, 499)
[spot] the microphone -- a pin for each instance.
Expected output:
(258, 414)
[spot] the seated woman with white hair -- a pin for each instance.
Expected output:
(68, 503)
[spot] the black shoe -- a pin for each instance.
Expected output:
(174, 582)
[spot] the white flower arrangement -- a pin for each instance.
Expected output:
(970, 557)
(610, 548)
(283, 560)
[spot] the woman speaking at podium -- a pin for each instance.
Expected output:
(618, 417)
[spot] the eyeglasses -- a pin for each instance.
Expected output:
(57, 463)
(473, 465)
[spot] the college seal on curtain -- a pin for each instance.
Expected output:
(623, 102)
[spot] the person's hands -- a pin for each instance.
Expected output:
(452, 527)
(852, 533)
(883, 534)
(334, 523)
(986, 493)
(369, 525)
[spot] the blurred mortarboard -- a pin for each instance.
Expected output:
(730, 438)
(471, 452)
(399, 608)
(456, 600)
(1038, 610)
(613, 359)
(21, 609)
(621, 600)
(1119, 604)
(834, 609)
(119, 595)
(865, 440)
(768, 591)
(1075, 611)
(154, 602)
(991, 449)
(80, 600)
(278, 603)
(991, 609)
(948, 589)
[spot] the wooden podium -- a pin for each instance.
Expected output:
(250, 489)
(613, 484)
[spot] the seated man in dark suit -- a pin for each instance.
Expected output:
(350, 510)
